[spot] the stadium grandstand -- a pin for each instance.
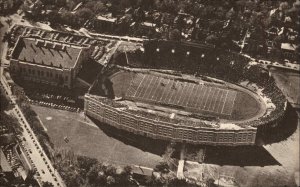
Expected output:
(186, 93)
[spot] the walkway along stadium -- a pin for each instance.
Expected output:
(186, 93)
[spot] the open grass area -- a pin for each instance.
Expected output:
(85, 138)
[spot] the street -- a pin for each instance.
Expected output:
(44, 168)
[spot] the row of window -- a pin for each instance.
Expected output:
(41, 73)
(168, 131)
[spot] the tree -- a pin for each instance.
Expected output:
(84, 14)
(179, 183)
(96, 6)
(127, 170)
(96, 175)
(162, 167)
(174, 35)
(68, 18)
(4, 101)
(10, 123)
(211, 39)
(85, 164)
(110, 180)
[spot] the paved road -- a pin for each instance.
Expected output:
(36, 154)
(38, 157)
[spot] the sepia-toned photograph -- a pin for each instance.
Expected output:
(149, 93)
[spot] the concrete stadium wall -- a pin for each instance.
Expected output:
(166, 131)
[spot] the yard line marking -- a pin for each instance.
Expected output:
(169, 88)
(132, 88)
(200, 104)
(188, 99)
(231, 107)
(173, 92)
(130, 91)
(182, 92)
(217, 96)
(139, 85)
(148, 87)
(194, 96)
(220, 101)
(167, 91)
(127, 91)
(156, 93)
(224, 102)
(135, 80)
(142, 89)
(211, 94)
(198, 96)
(151, 89)
(185, 94)
(176, 96)
(233, 103)
(164, 90)
(207, 98)
(213, 99)
(156, 87)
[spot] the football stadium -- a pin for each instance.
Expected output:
(186, 93)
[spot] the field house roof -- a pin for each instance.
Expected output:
(46, 52)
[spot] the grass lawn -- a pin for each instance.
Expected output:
(85, 138)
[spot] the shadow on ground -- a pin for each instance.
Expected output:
(220, 155)
(143, 143)
(277, 133)
(233, 156)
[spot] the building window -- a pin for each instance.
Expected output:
(42, 73)
(50, 74)
(47, 74)
(66, 78)
(33, 72)
(56, 75)
(38, 72)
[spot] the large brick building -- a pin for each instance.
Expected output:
(47, 61)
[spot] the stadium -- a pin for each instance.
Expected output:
(186, 93)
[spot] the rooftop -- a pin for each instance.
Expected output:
(46, 52)
(288, 46)
(102, 18)
(5, 167)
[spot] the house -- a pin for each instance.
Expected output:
(148, 26)
(289, 51)
(45, 61)
(105, 23)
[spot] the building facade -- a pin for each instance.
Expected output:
(47, 61)
(122, 119)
